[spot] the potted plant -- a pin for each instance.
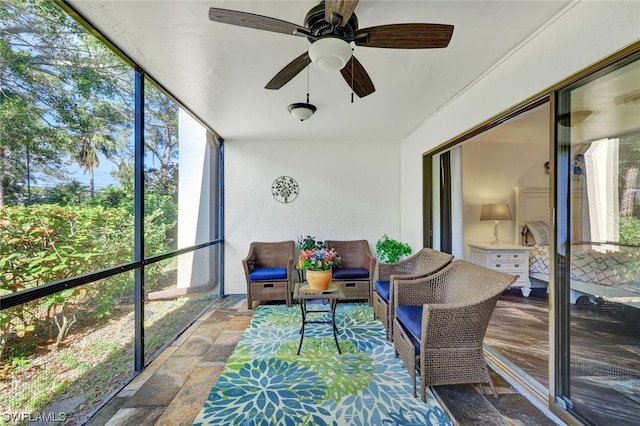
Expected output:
(389, 250)
(309, 243)
(318, 262)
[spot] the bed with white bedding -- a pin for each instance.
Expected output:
(595, 272)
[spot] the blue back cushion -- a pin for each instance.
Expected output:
(268, 274)
(382, 288)
(350, 273)
(411, 319)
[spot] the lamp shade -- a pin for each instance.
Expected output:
(330, 53)
(495, 212)
(301, 111)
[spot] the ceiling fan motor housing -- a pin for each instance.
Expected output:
(319, 27)
(330, 53)
(329, 50)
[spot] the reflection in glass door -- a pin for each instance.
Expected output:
(598, 246)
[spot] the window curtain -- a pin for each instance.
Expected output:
(445, 203)
(457, 207)
(448, 227)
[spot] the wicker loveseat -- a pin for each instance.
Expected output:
(425, 262)
(267, 269)
(440, 323)
(357, 265)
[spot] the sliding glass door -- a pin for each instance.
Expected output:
(598, 246)
(590, 172)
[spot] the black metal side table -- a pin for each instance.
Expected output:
(304, 293)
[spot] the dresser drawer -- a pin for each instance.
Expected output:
(508, 256)
(506, 266)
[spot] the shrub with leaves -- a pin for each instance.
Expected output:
(45, 243)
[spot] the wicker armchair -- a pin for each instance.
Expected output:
(355, 272)
(441, 321)
(426, 262)
(267, 269)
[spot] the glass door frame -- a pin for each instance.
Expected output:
(561, 244)
(549, 401)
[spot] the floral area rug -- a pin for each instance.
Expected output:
(265, 383)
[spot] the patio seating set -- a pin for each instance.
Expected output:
(435, 309)
(268, 270)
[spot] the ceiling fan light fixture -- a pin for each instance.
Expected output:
(301, 111)
(330, 53)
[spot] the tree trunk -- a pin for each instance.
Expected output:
(629, 192)
(63, 326)
(92, 185)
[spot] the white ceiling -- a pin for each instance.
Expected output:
(219, 71)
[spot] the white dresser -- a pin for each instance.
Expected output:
(509, 258)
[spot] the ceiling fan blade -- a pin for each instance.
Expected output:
(292, 69)
(259, 22)
(343, 8)
(406, 36)
(354, 71)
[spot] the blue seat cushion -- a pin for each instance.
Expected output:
(262, 274)
(410, 318)
(382, 288)
(350, 273)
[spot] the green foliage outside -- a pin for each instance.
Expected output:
(45, 243)
(66, 103)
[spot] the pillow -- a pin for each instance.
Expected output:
(535, 233)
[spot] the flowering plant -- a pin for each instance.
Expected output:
(317, 259)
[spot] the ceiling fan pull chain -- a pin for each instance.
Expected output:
(307, 84)
(352, 49)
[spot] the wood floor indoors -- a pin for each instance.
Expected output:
(172, 390)
(604, 350)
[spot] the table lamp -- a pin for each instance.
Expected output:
(496, 212)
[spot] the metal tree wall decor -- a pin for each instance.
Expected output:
(285, 189)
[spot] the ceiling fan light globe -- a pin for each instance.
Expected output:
(301, 111)
(330, 53)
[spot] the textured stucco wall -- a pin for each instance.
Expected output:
(195, 207)
(348, 190)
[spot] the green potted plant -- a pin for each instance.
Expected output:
(309, 243)
(389, 250)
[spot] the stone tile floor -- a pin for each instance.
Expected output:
(174, 387)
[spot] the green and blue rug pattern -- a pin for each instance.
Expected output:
(265, 383)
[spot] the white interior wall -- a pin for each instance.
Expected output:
(491, 170)
(348, 190)
(582, 35)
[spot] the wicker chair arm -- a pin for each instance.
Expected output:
(394, 278)
(456, 324)
(408, 277)
(425, 262)
(289, 267)
(371, 262)
(248, 262)
(403, 267)
(414, 292)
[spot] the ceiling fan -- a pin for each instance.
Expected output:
(330, 27)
